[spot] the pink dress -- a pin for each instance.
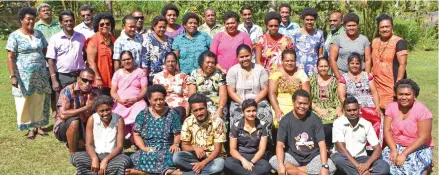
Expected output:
(129, 86)
(225, 47)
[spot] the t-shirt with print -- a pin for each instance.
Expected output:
(347, 47)
(301, 136)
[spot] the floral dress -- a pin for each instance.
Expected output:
(307, 49)
(155, 53)
(157, 134)
(325, 97)
(177, 92)
(272, 50)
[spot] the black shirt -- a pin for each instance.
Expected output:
(248, 143)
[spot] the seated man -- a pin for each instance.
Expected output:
(301, 133)
(350, 133)
(202, 136)
(74, 107)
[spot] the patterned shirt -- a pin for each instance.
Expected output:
(307, 49)
(134, 45)
(189, 49)
(204, 135)
(288, 30)
(67, 52)
(272, 50)
(177, 92)
(217, 28)
(209, 86)
(155, 53)
(48, 30)
(85, 30)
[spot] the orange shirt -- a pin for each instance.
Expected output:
(104, 60)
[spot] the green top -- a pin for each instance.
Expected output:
(48, 30)
(328, 101)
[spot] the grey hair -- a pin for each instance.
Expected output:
(42, 6)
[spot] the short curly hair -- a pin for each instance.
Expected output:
(407, 83)
(272, 15)
(26, 11)
(102, 100)
(351, 17)
(155, 88)
(206, 54)
(86, 7)
(230, 14)
(383, 17)
(301, 93)
(126, 18)
(156, 20)
(248, 103)
(245, 7)
(354, 55)
(309, 12)
(170, 7)
(101, 16)
(188, 16)
(285, 5)
(66, 13)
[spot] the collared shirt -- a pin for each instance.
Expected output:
(104, 60)
(254, 33)
(217, 28)
(204, 135)
(190, 48)
(288, 30)
(330, 39)
(354, 137)
(71, 98)
(105, 138)
(85, 30)
(48, 30)
(248, 141)
(67, 51)
(134, 45)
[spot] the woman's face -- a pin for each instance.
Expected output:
(231, 25)
(160, 28)
(127, 61)
(355, 66)
(250, 113)
(309, 22)
(405, 96)
(28, 22)
(244, 58)
(208, 65)
(157, 101)
(104, 26)
(289, 62)
(171, 63)
(191, 25)
(171, 16)
(104, 111)
(351, 28)
(323, 67)
(273, 27)
(385, 28)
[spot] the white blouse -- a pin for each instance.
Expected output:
(104, 138)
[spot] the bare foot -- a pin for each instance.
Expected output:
(31, 134)
(133, 171)
(41, 132)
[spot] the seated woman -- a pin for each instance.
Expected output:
(211, 82)
(157, 135)
(128, 88)
(283, 83)
(248, 81)
(324, 98)
(175, 83)
(104, 142)
(248, 141)
(407, 131)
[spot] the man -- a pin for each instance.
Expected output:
(211, 27)
(248, 26)
(129, 40)
(74, 107)
(350, 133)
(46, 24)
(202, 136)
(64, 53)
(336, 27)
(301, 133)
(138, 16)
(286, 27)
(86, 26)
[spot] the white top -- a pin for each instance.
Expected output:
(254, 33)
(355, 137)
(85, 30)
(104, 138)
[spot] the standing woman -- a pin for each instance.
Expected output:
(171, 12)
(389, 58)
(157, 45)
(100, 51)
(308, 42)
(28, 74)
(224, 44)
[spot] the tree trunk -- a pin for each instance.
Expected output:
(272, 5)
(109, 5)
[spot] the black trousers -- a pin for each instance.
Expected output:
(234, 166)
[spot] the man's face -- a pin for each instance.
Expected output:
(86, 16)
(246, 15)
(200, 111)
(68, 22)
(139, 19)
(335, 21)
(45, 13)
(285, 13)
(301, 105)
(86, 81)
(130, 28)
(210, 17)
(352, 111)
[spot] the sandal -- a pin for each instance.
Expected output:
(165, 171)
(41, 132)
(32, 137)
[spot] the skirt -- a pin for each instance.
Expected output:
(416, 162)
(32, 111)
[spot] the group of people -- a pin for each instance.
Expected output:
(288, 99)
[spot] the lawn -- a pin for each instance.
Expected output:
(45, 155)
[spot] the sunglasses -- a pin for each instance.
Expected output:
(104, 24)
(139, 18)
(85, 80)
(85, 15)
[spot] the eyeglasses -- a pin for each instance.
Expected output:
(85, 80)
(139, 18)
(104, 24)
(84, 15)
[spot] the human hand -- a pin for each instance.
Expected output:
(278, 114)
(103, 167)
(281, 169)
(400, 159)
(174, 149)
(199, 152)
(362, 167)
(14, 82)
(99, 83)
(324, 171)
(392, 157)
(380, 113)
(247, 165)
(198, 167)
(55, 85)
(90, 100)
(220, 112)
(95, 165)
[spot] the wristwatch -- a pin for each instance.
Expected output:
(325, 166)
(12, 76)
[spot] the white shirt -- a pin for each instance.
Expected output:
(355, 138)
(85, 30)
(105, 138)
(254, 33)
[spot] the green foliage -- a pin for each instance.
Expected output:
(428, 40)
(410, 30)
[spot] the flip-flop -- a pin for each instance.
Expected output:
(170, 168)
(31, 137)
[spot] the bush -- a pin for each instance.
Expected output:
(408, 29)
(428, 40)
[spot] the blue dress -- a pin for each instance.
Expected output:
(307, 49)
(158, 134)
(155, 53)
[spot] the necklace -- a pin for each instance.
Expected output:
(246, 74)
(384, 49)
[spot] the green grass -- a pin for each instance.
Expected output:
(45, 155)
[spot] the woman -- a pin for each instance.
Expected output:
(283, 83)
(99, 51)
(308, 42)
(128, 88)
(156, 134)
(248, 81)
(191, 44)
(389, 58)
(104, 142)
(171, 12)
(175, 83)
(348, 43)
(247, 149)
(269, 47)
(28, 75)
(211, 82)
(224, 44)
(324, 98)
(407, 131)
(157, 45)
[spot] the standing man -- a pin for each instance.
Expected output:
(64, 53)
(86, 26)
(336, 27)
(211, 27)
(286, 27)
(46, 24)
(129, 40)
(248, 26)
(350, 133)
(140, 19)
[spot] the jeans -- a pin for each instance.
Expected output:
(379, 167)
(234, 166)
(183, 160)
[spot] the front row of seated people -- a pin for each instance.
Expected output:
(300, 144)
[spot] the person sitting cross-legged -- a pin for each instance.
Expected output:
(350, 133)
(301, 133)
(202, 136)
